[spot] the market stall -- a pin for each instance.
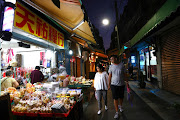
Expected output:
(45, 100)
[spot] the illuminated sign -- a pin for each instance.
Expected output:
(8, 19)
(31, 23)
(133, 59)
(11, 1)
(125, 47)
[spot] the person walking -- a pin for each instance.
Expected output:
(101, 87)
(117, 83)
(36, 75)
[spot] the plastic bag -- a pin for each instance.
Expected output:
(129, 95)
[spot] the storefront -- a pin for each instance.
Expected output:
(34, 42)
(26, 56)
(148, 63)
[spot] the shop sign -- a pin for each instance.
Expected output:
(8, 19)
(29, 22)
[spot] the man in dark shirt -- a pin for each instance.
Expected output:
(36, 75)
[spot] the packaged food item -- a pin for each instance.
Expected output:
(11, 90)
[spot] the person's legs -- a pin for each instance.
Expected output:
(99, 98)
(121, 102)
(105, 98)
(115, 94)
(116, 104)
(104, 92)
(121, 90)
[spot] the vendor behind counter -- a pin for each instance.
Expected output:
(61, 72)
(36, 75)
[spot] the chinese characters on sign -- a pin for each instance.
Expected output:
(31, 23)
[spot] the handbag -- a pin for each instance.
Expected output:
(129, 94)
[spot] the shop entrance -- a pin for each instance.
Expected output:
(25, 57)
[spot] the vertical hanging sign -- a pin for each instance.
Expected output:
(8, 19)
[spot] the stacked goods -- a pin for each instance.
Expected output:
(31, 101)
(37, 102)
(80, 80)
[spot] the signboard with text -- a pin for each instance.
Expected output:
(29, 22)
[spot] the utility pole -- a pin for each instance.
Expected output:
(116, 27)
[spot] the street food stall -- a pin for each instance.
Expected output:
(45, 100)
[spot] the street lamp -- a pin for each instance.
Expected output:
(105, 22)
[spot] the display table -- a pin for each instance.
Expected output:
(75, 113)
(36, 102)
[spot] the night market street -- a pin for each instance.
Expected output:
(146, 106)
(139, 110)
(59, 58)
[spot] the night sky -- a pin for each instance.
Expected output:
(97, 10)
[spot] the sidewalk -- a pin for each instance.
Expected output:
(162, 102)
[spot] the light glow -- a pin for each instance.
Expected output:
(105, 21)
(70, 52)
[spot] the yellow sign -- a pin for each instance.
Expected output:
(26, 20)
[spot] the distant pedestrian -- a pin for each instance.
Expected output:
(117, 83)
(130, 69)
(107, 67)
(101, 86)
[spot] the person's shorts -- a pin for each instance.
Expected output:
(117, 91)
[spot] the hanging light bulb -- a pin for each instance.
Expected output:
(70, 52)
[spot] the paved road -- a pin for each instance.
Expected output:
(139, 110)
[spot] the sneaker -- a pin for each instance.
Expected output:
(99, 112)
(106, 108)
(116, 115)
(120, 108)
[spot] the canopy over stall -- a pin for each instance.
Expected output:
(70, 16)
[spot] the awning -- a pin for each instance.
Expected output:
(101, 55)
(165, 11)
(70, 16)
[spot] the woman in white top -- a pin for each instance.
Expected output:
(101, 86)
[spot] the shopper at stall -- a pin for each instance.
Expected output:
(8, 68)
(36, 75)
(116, 83)
(8, 81)
(101, 86)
